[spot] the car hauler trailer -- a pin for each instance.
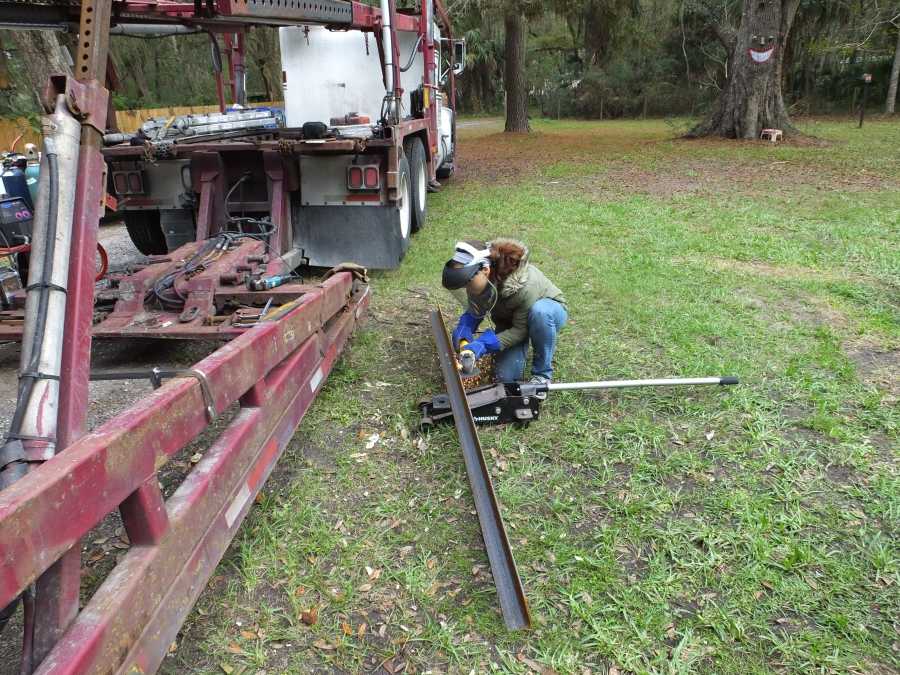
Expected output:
(368, 128)
(232, 280)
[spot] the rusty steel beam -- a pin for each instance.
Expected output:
(44, 515)
(513, 603)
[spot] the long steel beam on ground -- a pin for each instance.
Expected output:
(503, 566)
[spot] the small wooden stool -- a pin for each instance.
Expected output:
(773, 135)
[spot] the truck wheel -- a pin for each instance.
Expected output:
(404, 204)
(146, 232)
(418, 171)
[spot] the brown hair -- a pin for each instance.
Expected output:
(505, 259)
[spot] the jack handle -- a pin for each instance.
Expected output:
(624, 384)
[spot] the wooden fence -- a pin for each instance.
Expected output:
(128, 120)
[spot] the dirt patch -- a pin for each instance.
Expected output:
(790, 622)
(682, 484)
(812, 311)
(661, 185)
(876, 365)
(622, 160)
(841, 474)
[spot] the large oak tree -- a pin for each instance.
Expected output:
(752, 98)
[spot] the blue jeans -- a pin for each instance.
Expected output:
(545, 319)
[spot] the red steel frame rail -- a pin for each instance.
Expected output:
(510, 592)
(233, 17)
(273, 372)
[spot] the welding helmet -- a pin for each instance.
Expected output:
(482, 303)
(466, 262)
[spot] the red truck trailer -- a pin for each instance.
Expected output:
(247, 202)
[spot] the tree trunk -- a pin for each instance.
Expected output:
(5, 79)
(895, 75)
(516, 87)
(752, 98)
(43, 55)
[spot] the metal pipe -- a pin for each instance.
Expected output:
(27, 664)
(503, 566)
(217, 71)
(26, 25)
(48, 277)
(239, 71)
(150, 30)
(623, 384)
(388, 56)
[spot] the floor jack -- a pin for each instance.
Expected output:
(520, 402)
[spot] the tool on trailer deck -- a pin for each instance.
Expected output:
(520, 402)
(267, 283)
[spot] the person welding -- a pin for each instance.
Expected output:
(497, 278)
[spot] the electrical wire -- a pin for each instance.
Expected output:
(165, 291)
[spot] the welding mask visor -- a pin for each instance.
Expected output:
(455, 277)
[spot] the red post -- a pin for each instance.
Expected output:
(144, 514)
(58, 588)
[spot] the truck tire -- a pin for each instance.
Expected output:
(418, 174)
(404, 204)
(146, 232)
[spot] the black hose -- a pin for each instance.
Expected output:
(240, 181)
(412, 55)
(26, 379)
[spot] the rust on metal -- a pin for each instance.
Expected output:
(513, 603)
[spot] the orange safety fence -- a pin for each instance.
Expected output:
(128, 120)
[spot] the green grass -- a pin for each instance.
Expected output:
(746, 530)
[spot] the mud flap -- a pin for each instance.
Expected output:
(367, 235)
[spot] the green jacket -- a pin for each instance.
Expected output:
(518, 292)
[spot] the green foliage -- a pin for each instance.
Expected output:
(622, 58)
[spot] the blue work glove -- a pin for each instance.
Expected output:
(487, 342)
(465, 328)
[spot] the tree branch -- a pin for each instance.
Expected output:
(726, 35)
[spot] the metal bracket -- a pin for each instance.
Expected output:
(88, 101)
(156, 376)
